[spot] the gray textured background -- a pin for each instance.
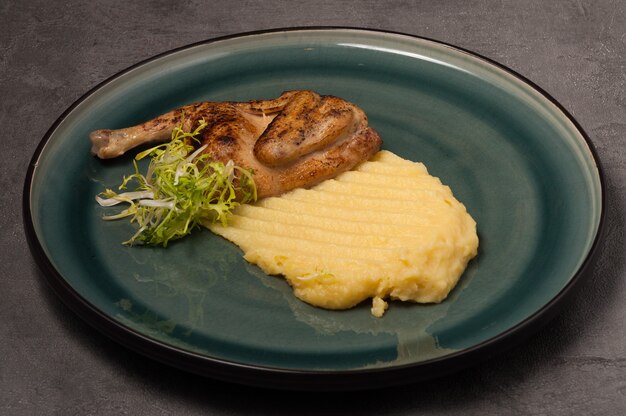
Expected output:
(52, 52)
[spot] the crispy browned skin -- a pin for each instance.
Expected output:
(296, 140)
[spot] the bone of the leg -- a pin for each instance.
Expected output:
(108, 144)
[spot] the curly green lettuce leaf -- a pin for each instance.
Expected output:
(182, 188)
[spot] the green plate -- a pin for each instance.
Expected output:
(519, 162)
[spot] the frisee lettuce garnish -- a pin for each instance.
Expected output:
(182, 188)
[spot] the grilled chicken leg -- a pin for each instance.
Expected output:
(296, 140)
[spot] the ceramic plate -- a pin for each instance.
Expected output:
(519, 162)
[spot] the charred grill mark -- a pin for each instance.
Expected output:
(282, 132)
(157, 123)
(226, 140)
(301, 137)
(335, 112)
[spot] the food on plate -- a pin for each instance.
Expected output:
(226, 153)
(296, 140)
(385, 230)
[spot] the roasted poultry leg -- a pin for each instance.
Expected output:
(296, 140)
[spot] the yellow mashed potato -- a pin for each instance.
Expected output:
(385, 230)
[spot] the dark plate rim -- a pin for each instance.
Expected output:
(273, 377)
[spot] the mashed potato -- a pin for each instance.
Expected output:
(386, 230)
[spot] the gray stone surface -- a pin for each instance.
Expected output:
(52, 52)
